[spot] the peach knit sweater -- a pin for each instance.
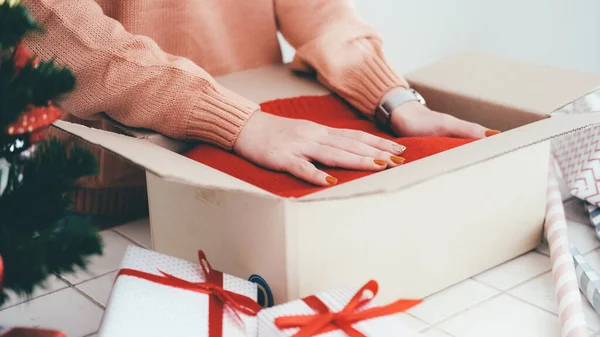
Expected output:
(148, 63)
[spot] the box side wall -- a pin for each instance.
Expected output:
(522, 85)
(489, 114)
(418, 241)
(241, 234)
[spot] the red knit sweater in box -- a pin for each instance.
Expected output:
(326, 110)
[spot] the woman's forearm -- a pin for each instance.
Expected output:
(345, 53)
(131, 79)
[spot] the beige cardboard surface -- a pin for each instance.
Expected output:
(535, 88)
(420, 240)
(414, 241)
(252, 83)
(158, 160)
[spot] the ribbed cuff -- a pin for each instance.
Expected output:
(218, 116)
(364, 84)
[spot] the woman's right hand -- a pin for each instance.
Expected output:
(292, 145)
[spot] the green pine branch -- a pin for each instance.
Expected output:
(15, 22)
(38, 235)
(30, 86)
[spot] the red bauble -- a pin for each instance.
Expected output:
(34, 121)
(1, 271)
(22, 55)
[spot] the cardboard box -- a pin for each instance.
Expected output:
(416, 229)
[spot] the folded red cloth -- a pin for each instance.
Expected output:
(326, 110)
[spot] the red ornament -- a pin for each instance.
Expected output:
(22, 55)
(35, 121)
(1, 271)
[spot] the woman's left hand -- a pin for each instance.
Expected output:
(412, 119)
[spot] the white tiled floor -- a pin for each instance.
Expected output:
(513, 299)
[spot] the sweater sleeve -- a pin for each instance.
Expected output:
(131, 79)
(345, 53)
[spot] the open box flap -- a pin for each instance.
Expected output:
(458, 158)
(162, 162)
(278, 78)
(521, 85)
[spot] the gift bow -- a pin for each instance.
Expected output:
(219, 297)
(325, 320)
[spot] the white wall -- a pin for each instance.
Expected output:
(562, 33)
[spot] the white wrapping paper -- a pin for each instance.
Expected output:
(139, 307)
(335, 300)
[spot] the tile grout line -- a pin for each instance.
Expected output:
(127, 238)
(89, 298)
(532, 304)
(500, 293)
(418, 319)
(595, 250)
(35, 298)
(90, 279)
(453, 315)
(436, 328)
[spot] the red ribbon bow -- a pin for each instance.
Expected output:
(325, 320)
(219, 297)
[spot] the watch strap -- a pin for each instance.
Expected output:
(384, 110)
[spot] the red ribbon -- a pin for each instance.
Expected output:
(325, 320)
(219, 297)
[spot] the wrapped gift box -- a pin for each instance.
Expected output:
(491, 193)
(313, 316)
(158, 295)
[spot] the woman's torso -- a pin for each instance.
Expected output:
(221, 36)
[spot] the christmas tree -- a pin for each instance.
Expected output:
(38, 235)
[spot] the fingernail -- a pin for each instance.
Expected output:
(397, 148)
(331, 180)
(380, 162)
(397, 160)
(490, 133)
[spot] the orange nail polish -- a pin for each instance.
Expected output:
(380, 162)
(331, 180)
(490, 133)
(397, 160)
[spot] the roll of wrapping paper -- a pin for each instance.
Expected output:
(588, 279)
(570, 308)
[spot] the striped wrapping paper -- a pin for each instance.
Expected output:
(589, 281)
(570, 309)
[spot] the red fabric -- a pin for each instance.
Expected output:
(326, 110)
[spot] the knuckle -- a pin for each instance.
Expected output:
(366, 162)
(309, 130)
(383, 143)
(382, 155)
(355, 144)
(304, 166)
(362, 136)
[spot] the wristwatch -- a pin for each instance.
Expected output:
(383, 113)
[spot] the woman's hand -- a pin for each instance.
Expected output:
(412, 119)
(292, 145)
